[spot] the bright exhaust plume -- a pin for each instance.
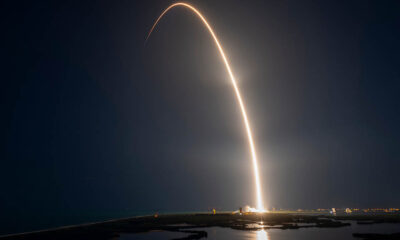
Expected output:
(260, 205)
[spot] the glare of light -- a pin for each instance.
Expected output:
(262, 235)
(254, 210)
(260, 205)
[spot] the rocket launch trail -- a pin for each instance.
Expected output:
(260, 206)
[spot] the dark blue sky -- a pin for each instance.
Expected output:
(95, 122)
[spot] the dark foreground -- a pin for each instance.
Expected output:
(188, 223)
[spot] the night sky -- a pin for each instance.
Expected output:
(97, 124)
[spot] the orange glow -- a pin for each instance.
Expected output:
(260, 205)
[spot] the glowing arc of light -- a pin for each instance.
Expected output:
(260, 206)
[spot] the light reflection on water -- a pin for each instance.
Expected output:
(262, 235)
(217, 233)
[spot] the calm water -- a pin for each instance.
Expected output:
(276, 234)
(19, 223)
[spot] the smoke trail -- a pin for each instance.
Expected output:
(260, 205)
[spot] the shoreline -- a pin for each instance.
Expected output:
(188, 222)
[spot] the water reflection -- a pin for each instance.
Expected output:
(214, 233)
(262, 235)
